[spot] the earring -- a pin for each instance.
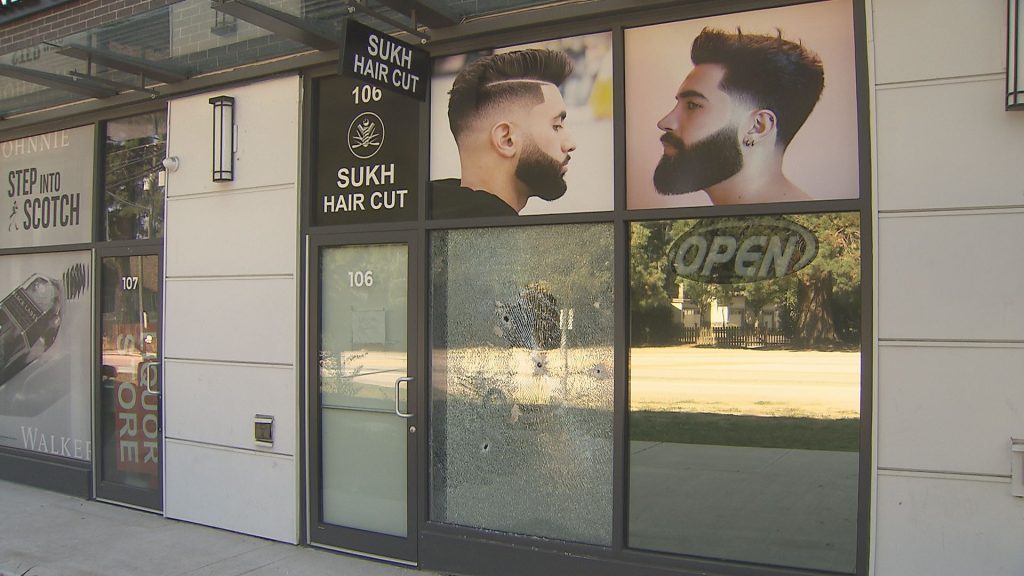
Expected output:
(748, 141)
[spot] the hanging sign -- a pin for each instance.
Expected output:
(379, 60)
(367, 159)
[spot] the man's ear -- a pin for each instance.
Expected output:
(504, 139)
(761, 125)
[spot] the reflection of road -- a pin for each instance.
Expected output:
(755, 382)
(773, 505)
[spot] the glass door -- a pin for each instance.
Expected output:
(363, 406)
(129, 427)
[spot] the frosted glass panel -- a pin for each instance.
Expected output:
(365, 465)
(363, 339)
(521, 422)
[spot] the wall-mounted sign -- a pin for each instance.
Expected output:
(379, 60)
(13, 9)
(47, 182)
(367, 158)
(728, 251)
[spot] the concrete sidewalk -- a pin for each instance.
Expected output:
(48, 534)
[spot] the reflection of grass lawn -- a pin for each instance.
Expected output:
(754, 431)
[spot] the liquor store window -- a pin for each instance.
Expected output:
(129, 280)
(135, 181)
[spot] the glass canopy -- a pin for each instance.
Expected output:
(194, 37)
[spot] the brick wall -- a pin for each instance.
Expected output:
(68, 19)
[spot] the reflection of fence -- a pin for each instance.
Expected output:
(733, 337)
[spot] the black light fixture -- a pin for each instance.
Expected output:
(223, 138)
(1014, 49)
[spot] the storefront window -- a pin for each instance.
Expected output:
(44, 353)
(522, 387)
(134, 182)
(744, 389)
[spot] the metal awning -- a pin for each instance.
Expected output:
(144, 68)
(189, 38)
(280, 23)
(73, 84)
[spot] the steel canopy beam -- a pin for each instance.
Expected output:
(278, 22)
(119, 86)
(146, 68)
(68, 84)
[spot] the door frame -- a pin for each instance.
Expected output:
(111, 491)
(400, 550)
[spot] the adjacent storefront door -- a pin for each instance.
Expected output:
(364, 396)
(130, 438)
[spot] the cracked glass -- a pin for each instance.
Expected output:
(522, 387)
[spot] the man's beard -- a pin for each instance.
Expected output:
(541, 173)
(705, 163)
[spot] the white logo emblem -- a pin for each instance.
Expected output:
(366, 135)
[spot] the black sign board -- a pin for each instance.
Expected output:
(378, 59)
(367, 154)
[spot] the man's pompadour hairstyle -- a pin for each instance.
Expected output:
(773, 73)
(490, 81)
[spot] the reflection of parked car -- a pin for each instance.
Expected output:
(29, 321)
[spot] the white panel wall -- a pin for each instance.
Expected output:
(222, 240)
(232, 395)
(951, 275)
(232, 489)
(949, 278)
(231, 315)
(929, 39)
(935, 526)
(948, 145)
(236, 319)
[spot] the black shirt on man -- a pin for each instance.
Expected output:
(450, 199)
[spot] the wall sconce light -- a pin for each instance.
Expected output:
(1014, 52)
(224, 146)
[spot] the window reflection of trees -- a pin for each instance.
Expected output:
(816, 308)
(133, 188)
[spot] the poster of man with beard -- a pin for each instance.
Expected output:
(509, 127)
(757, 107)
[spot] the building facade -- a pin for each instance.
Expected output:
(606, 287)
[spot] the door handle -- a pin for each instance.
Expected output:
(152, 371)
(398, 387)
